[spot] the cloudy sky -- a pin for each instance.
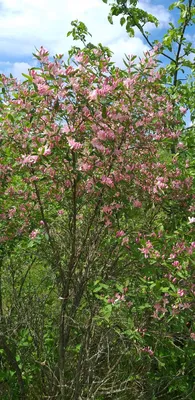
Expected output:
(26, 24)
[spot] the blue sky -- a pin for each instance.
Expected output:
(26, 24)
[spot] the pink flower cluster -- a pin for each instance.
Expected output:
(148, 350)
(34, 234)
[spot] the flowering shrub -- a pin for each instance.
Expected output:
(91, 191)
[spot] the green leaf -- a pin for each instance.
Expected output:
(119, 288)
(97, 289)
(122, 21)
(110, 19)
(10, 117)
(28, 77)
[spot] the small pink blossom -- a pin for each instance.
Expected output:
(97, 144)
(137, 204)
(93, 95)
(145, 251)
(111, 300)
(86, 167)
(43, 89)
(192, 335)
(34, 234)
(107, 181)
(181, 292)
(29, 159)
(60, 212)
(183, 110)
(47, 151)
(180, 145)
(191, 220)
(107, 209)
(172, 256)
(120, 233)
(125, 241)
(185, 306)
(149, 245)
(74, 145)
(69, 70)
(108, 223)
(148, 350)
(11, 212)
(175, 264)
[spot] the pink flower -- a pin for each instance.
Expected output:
(111, 300)
(137, 204)
(175, 264)
(34, 234)
(95, 143)
(60, 212)
(29, 159)
(93, 95)
(107, 209)
(86, 167)
(172, 256)
(160, 183)
(125, 241)
(149, 245)
(180, 292)
(180, 145)
(108, 222)
(11, 212)
(107, 181)
(192, 335)
(148, 350)
(145, 251)
(74, 145)
(43, 89)
(47, 151)
(69, 70)
(102, 135)
(43, 51)
(183, 110)
(120, 233)
(157, 306)
(191, 220)
(185, 306)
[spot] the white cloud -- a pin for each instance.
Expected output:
(159, 11)
(26, 24)
(127, 46)
(16, 69)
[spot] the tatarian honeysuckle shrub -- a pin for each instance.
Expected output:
(92, 193)
(91, 127)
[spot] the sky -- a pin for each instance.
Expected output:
(26, 24)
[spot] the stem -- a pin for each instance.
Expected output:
(64, 332)
(187, 20)
(52, 244)
(13, 364)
